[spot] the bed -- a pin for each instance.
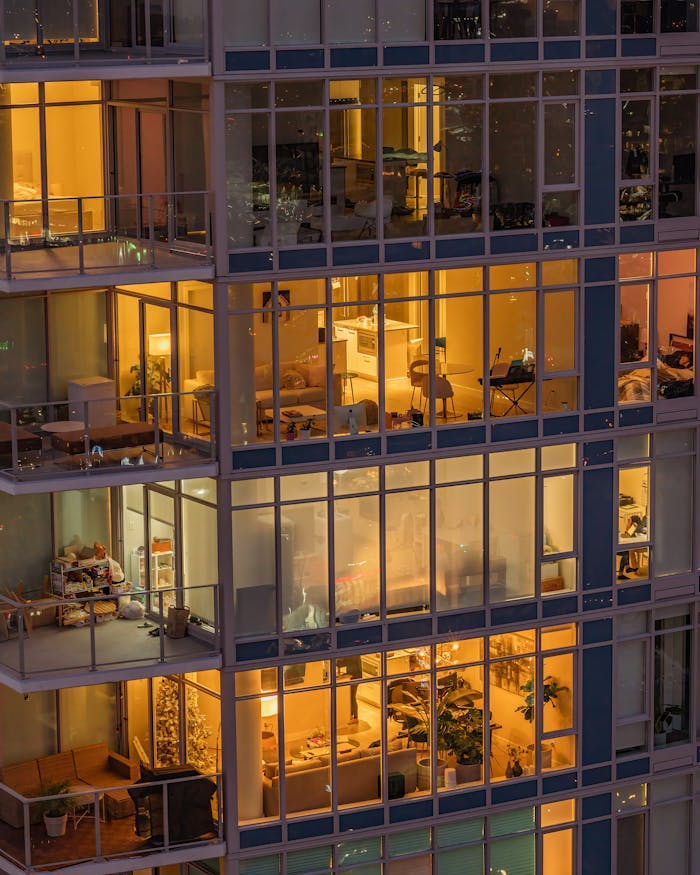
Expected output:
(675, 374)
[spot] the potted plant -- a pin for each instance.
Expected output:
(662, 723)
(305, 429)
(459, 728)
(468, 745)
(291, 432)
(56, 809)
(550, 693)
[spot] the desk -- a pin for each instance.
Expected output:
(512, 390)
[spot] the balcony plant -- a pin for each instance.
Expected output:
(57, 808)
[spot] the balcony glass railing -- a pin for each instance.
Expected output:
(103, 31)
(81, 631)
(165, 430)
(131, 819)
(84, 235)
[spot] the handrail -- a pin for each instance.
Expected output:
(25, 433)
(119, 231)
(95, 795)
(156, 604)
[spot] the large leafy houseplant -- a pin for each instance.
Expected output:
(459, 728)
(550, 693)
(158, 377)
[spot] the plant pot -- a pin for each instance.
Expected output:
(304, 433)
(424, 773)
(467, 773)
(55, 826)
(660, 739)
(290, 435)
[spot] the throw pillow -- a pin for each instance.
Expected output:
(293, 380)
(317, 375)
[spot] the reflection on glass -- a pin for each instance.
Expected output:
(677, 148)
(512, 162)
(457, 19)
(459, 545)
(511, 20)
(407, 551)
(356, 547)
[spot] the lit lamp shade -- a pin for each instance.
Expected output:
(269, 706)
(159, 344)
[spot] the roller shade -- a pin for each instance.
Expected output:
(514, 856)
(463, 861)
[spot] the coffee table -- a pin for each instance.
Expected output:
(297, 413)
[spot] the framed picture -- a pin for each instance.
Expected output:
(284, 299)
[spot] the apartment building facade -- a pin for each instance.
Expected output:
(349, 431)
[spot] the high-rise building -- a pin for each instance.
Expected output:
(348, 437)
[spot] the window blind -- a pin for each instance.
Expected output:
(464, 861)
(512, 821)
(514, 856)
(261, 866)
(409, 842)
(309, 860)
(460, 833)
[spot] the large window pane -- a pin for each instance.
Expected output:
(512, 145)
(673, 508)
(459, 545)
(407, 551)
(677, 148)
(349, 22)
(512, 539)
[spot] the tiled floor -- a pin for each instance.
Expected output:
(117, 838)
(119, 644)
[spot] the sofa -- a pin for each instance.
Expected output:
(358, 779)
(87, 768)
(299, 384)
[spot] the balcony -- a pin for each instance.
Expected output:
(56, 446)
(111, 828)
(77, 241)
(56, 641)
(140, 33)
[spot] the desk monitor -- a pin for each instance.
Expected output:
(350, 417)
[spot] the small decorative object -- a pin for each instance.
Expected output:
(291, 432)
(514, 769)
(284, 299)
(305, 429)
(100, 550)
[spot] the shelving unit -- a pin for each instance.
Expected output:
(162, 572)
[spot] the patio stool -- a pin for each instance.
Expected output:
(118, 804)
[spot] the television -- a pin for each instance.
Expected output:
(350, 417)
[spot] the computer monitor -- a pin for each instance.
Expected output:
(350, 417)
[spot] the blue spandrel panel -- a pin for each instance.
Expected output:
(595, 848)
(596, 711)
(597, 547)
(600, 161)
(599, 347)
(601, 17)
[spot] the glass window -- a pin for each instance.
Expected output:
(457, 21)
(349, 23)
(560, 18)
(295, 24)
(677, 149)
(513, 20)
(679, 16)
(512, 159)
(637, 16)
(459, 545)
(402, 21)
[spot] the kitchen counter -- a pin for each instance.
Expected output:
(389, 325)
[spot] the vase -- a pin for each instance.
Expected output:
(423, 767)
(468, 773)
(304, 433)
(517, 769)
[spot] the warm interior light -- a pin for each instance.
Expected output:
(159, 344)
(269, 706)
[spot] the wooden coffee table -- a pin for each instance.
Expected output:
(297, 413)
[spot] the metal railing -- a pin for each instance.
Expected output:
(117, 232)
(160, 429)
(23, 631)
(27, 847)
(150, 33)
